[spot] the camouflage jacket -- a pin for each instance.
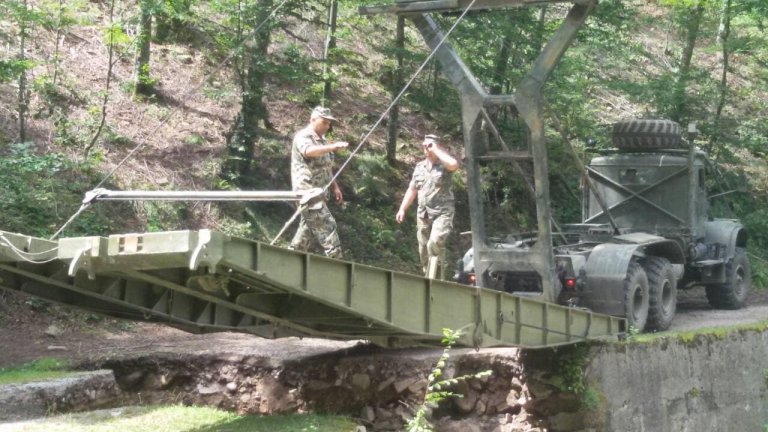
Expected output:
(308, 172)
(435, 189)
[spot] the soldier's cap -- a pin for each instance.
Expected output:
(323, 112)
(430, 138)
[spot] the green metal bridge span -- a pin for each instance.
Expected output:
(204, 281)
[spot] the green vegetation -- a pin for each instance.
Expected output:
(184, 419)
(39, 370)
(439, 389)
(691, 337)
(591, 398)
(569, 366)
(565, 371)
(258, 76)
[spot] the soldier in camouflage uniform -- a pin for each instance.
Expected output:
(311, 167)
(431, 183)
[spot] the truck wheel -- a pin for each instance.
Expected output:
(643, 134)
(636, 297)
(733, 293)
(662, 293)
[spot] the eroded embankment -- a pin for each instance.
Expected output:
(378, 386)
(715, 381)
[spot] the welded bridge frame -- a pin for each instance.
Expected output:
(204, 281)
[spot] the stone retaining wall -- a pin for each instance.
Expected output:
(707, 382)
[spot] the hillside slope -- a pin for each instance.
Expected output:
(177, 138)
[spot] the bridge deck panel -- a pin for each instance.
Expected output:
(204, 281)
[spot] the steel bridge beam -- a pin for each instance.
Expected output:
(204, 281)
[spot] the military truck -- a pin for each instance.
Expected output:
(645, 234)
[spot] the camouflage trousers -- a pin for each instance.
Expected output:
(431, 232)
(317, 225)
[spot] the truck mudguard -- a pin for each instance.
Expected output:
(607, 266)
(728, 232)
(605, 271)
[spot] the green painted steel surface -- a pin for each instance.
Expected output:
(204, 281)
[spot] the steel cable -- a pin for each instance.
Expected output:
(170, 114)
(381, 118)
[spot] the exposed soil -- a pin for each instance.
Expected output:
(30, 331)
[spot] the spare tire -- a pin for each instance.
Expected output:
(644, 134)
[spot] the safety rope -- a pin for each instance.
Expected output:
(381, 118)
(24, 255)
(169, 115)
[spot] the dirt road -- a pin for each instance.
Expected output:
(694, 312)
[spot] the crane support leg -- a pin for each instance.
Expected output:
(528, 101)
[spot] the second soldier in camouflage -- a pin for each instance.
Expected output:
(431, 184)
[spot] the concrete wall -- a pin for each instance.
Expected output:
(710, 383)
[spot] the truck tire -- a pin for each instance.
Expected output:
(636, 297)
(733, 293)
(643, 134)
(662, 293)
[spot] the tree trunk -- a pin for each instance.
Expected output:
(330, 44)
(500, 68)
(693, 23)
(23, 96)
(245, 130)
(143, 84)
(722, 36)
(397, 83)
(59, 32)
(105, 99)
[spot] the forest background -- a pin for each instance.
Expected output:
(205, 95)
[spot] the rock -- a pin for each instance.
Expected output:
(516, 384)
(566, 421)
(540, 390)
(131, 380)
(231, 386)
(153, 381)
(368, 414)
(403, 384)
(210, 389)
(466, 425)
(317, 385)
(57, 348)
(53, 331)
(418, 387)
(361, 381)
(385, 384)
(480, 407)
(466, 404)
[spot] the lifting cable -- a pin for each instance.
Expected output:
(381, 118)
(170, 114)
